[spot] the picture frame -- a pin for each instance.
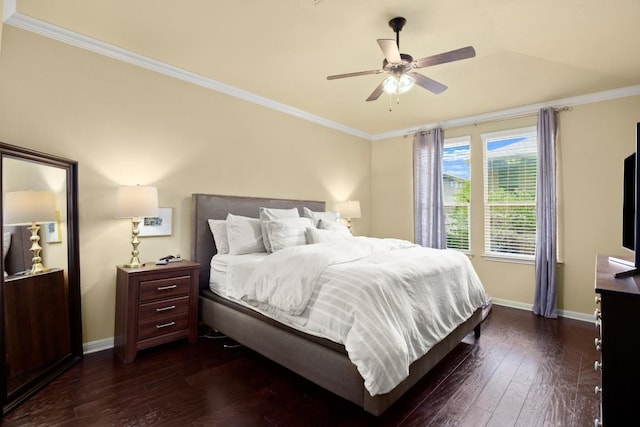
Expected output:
(156, 225)
(52, 230)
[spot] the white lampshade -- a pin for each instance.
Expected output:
(136, 201)
(349, 209)
(27, 207)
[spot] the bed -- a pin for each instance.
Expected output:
(318, 359)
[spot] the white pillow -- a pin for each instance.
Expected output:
(6, 243)
(332, 225)
(244, 234)
(270, 214)
(219, 230)
(318, 236)
(317, 216)
(287, 232)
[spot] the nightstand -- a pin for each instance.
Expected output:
(155, 304)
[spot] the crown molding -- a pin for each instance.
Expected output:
(78, 40)
(8, 9)
(13, 18)
(522, 111)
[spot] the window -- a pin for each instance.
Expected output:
(510, 164)
(456, 192)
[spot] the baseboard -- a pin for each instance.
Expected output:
(529, 307)
(99, 345)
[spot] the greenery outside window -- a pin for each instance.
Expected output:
(510, 168)
(456, 192)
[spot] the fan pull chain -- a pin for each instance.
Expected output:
(391, 102)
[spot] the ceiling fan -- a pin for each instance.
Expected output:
(401, 67)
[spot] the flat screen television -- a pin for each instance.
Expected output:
(630, 211)
(629, 203)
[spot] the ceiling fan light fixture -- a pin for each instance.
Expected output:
(398, 84)
(390, 84)
(405, 82)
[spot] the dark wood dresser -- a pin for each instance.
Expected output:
(155, 304)
(36, 322)
(617, 316)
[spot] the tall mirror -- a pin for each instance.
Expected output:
(41, 331)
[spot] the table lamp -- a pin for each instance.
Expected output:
(136, 201)
(31, 208)
(349, 209)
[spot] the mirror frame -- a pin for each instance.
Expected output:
(23, 392)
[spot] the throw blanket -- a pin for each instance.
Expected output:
(388, 301)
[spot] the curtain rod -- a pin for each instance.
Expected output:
(506, 117)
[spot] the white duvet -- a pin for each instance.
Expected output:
(388, 301)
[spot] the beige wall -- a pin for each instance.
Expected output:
(1, 22)
(593, 141)
(126, 125)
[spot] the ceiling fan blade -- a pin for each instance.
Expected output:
(428, 83)
(376, 93)
(390, 50)
(441, 58)
(358, 73)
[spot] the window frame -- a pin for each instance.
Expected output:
(529, 131)
(456, 142)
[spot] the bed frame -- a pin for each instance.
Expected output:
(320, 361)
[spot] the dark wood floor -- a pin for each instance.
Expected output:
(524, 371)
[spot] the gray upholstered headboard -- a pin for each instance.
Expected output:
(19, 256)
(211, 206)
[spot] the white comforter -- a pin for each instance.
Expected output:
(388, 301)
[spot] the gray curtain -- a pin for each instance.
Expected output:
(545, 294)
(427, 189)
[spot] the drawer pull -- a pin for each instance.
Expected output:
(165, 325)
(597, 422)
(166, 288)
(597, 365)
(171, 307)
(598, 390)
(598, 343)
(598, 299)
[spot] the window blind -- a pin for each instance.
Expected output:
(510, 163)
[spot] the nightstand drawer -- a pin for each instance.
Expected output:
(164, 288)
(163, 326)
(154, 311)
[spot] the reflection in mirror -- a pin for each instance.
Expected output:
(21, 179)
(41, 331)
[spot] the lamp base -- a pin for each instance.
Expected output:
(134, 263)
(37, 269)
(36, 260)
